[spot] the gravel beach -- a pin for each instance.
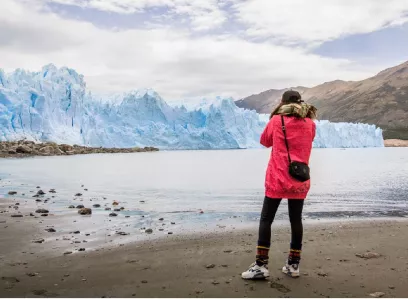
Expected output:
(335, 262)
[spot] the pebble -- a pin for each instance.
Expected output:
(81, 249)
(67, 252)
(368, 255)
(76, 232)
(78, 194)
(85, 211)
(108, 209)
(50, 230)
(42, 211)
(377, 294)
(148, 231)
(80, 206)
(17, 215)
(170, 233)
(144, 281)
(39, 241)
(12, 193)
(44, 215)
(210, 266)
(31, 274)
(131, 261)
(122, 233)
(113, 214)
(71, 207)
(96, 205)
(323, 274)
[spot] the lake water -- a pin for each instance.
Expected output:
(226, 185)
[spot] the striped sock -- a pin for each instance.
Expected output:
(294, 256)
(262, 255)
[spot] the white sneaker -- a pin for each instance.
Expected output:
(256, 272)
(291, 270)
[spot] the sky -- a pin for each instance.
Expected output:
(189, 49)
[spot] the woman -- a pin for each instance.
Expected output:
(296, 118)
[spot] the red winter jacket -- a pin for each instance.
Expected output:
(300, 134)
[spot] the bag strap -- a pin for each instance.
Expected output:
(286, 140)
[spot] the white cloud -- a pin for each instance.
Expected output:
(294, 21)
(171, 61)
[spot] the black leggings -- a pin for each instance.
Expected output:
(270, 206)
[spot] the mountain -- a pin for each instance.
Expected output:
(54, 105)
(381, 100)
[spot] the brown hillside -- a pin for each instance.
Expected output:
(381, 100)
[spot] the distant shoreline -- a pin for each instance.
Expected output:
(395, 143)
(23, 148)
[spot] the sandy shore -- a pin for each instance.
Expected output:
(395, 143)
(176, 266)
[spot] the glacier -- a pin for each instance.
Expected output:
(55, 105)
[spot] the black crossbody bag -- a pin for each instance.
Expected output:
(298, 170)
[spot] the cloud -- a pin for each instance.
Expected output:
(169, 60)
(203, 14)
(311, 21)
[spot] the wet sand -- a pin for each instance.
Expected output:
(176, 266)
